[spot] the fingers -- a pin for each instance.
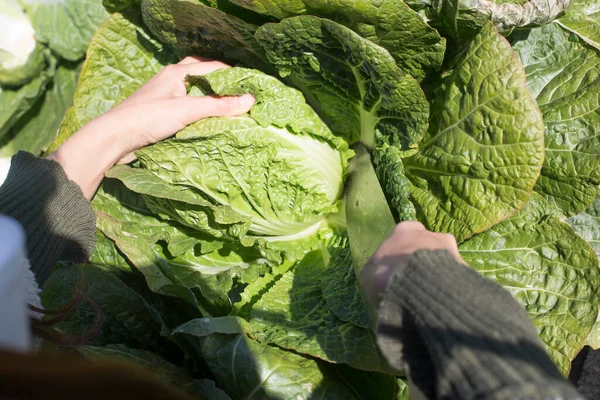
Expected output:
(192, 109)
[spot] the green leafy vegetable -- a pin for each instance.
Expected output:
(551, 271)
(352, 82)
(223, 252)
(485, 147)
(564, 76)
(587, 225)
(65, 26)
(583, 19)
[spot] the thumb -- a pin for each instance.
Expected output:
(194, 108)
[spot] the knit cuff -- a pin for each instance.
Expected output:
(477, 338)
(59, 222)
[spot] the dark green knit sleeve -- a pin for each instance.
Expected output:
(463, 336)
(58, 220)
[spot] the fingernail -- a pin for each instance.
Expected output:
(247, 100)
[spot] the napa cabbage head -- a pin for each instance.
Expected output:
(274, 174)
(21, 57)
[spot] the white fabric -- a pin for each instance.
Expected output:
(4, 167)
(15, 332)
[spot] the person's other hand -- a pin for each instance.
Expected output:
(395, 251)
(158, 110)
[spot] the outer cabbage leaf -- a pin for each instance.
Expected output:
(251, 370)
(66, 26)
(354, 84)
(464, 18)
(15, 102)
(294, 314)
(564, 76)
(128, 319)
(169, 257)
(485, 146)
(417, 48)
(340, 289)
(122, 57)
(193, 27)
(107, 255)
(550, 270)
(583, 19)
(38, 127)
(21, 58)
(587, 225)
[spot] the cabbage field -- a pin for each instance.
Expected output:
(222, 260)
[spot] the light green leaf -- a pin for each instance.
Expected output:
(549, 270)
(403, 389)
(564, 76)
(417, 48)
(38, 127)
(293, 314)
(122, 57)
(587, 225)
(354, 84)
(107, 255)
(68, 126)
(128, 319)
(485, 146)
(15, 102)
(593, 339)
(583, 19)
(66, 26)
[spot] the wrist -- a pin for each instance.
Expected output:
(88, 154)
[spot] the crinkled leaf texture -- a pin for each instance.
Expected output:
(201, 178)
(550, 270)
(463, 18)
(66, 26)
(485, 146)
(563, 74)
(354, 84)
(121, 44)
(587, 225)
(417, 48)
(583, 19)
(294, 314)
(175, 261)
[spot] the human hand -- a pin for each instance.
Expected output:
(395, 251)
(156, 111)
